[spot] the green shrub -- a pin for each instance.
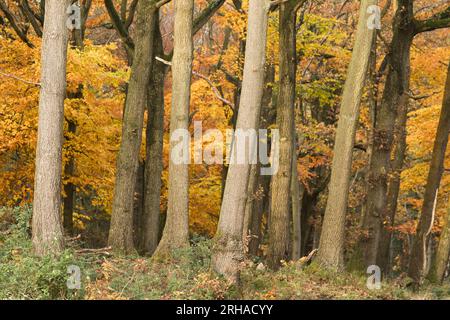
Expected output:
(24, 276)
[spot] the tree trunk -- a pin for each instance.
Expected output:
(154, 150)
(121, 230)
(251, 202)
(331, 246)
(281, 181)
(69, 169)
(261, 207)
(138, 205)
(69, 188)
(397, 85)
(228, 251)
(176, 231)
(437, 273)
(297, 194)
(253, 219)
(418, 260)
(393, 188)
(47, 227)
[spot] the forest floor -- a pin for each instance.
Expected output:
(186, 276)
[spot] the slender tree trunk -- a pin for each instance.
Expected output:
(263, 182)
(281, 181)
(69, 188)
(397, 85)
(154, 151)
(297, 193)
(138, 204)
(47, 228)
(393, 187)
(228, 251)
(331, 246)
(251, 202)
(121, 231)
(69, 168)
(439, 268)
(260, 205)
(176, 231)
(418, 262)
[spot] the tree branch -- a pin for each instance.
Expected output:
(210, 83)
(10, 17)
(25, 8)
(19, 79)
(118, 25)
(437, 21)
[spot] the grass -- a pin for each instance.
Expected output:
(186, 275)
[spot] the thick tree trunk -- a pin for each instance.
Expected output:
(176, 231)
(47, 231)
(397, 85)
(281, 181)
(154, 150)
(121, 231)
(331, 247)
(228, 251)
(418, 262)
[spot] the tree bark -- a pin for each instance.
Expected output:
(47, 231)
(69, 168)
(439, 268)
(251, 202)
(331, 246)
(121, 230)
(383, 254)
(281, 181)
(69, 188)
(176, 231)
(154, 150)
(228, 251)
(397, 85)
(418, 262)
(297, 194)
(254, 207)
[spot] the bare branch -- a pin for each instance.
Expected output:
(7, 75)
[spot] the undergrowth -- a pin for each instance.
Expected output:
(185, 275)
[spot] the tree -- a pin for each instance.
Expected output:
(405, 28)
(121, 230)
(69, 168)
(155, 134)
(47, 232)
(154, 150)
(442, 255)
(331, 247)
(418, 260)
(228, 249)
(176, 230)
(281, 181)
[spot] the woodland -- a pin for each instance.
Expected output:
(354, 96)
